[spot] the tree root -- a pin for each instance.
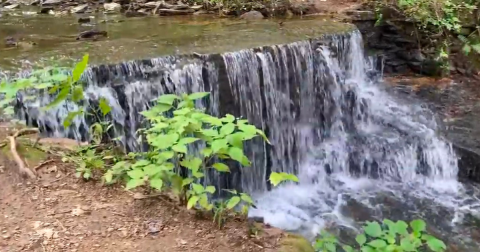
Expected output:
(22, 167)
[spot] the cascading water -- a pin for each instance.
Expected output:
(359, 152)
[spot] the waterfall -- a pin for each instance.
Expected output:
(328, 119)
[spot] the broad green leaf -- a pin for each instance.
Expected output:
(187, 140)
(210, 189)
(203, 201)
(392, 228)
(249, 129)
(156, 183)
(212, 120)
(227, 129)
(141, 163)
(236, 154)
(361, 239)
(232, 202)
(228, 118)
(206, 152)
(378, 243)
(62, 96)
(186, 181)
(246, 198)
(133, 183)
(151, 170)
(108, 176)
(210, 132)
(368, 249)
(77, 93)
(348, 248)
(198, 95)
(136, 173)
(192, 163)
(436, 245)
(236, 139)
(418, 225)
(197, 188)
(192, 201)
(181, 112)
(221, 167)
(219, 144)
(197, 174)
(391, 248)
(67, 122)
(80, 68)
(43, 85)
(401, 227)
(407, 245)
(373, 229)
(331, 247)
(278, 177)
(180, 148)
(167, 99)
(104, 106)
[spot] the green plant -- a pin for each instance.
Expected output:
(440, 20)
(170, 138)
(386, 237)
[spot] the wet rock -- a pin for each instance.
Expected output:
(169, 12)
(152, 4)
(45, 10)
(12, 6)
(84, 20)
(10, 42)
(112, 7)
(51, 2)
(175, 7)
(196, 7)
(135, 14)
(252, 15)
(201, 12)
(357, 15)
(92, 34)
(79, 9)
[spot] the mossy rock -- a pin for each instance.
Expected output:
(295, 243)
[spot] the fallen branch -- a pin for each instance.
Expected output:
(24, 132)
(42, 164)
(21, 165)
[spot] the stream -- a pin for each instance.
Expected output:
(361, 152)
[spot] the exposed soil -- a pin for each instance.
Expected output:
(59, 212)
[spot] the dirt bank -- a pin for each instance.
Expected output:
(59, 212)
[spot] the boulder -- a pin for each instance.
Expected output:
(112, 7)
(252, 15)
(79, 9)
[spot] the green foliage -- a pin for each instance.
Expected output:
(441, 17)
(278, 177)
(386, 237)
(171, 139)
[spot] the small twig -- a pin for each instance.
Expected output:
(42, 164)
